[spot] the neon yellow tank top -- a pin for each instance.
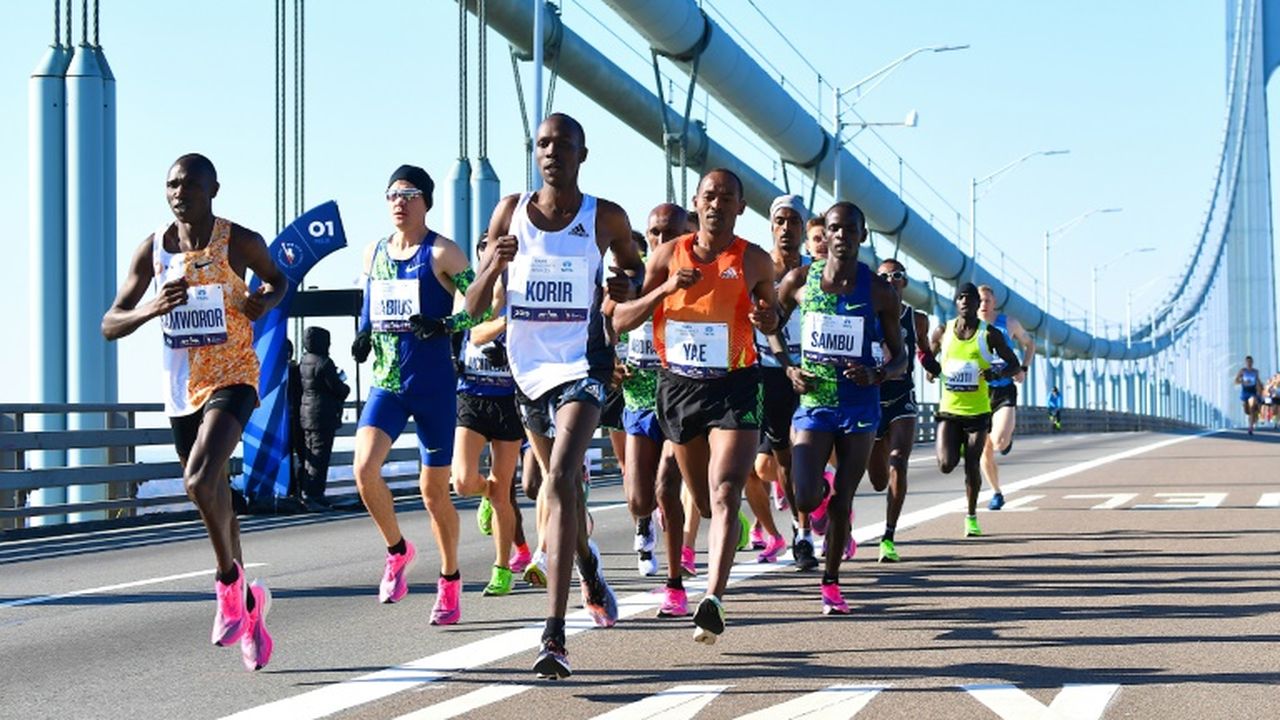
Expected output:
(964, 389)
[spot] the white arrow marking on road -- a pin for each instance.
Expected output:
(838, 702)
(466, 703)
(1115, 499)
(1074, 702)
(1185, 501)
(1269, 500)
(1019, 504)
(677, 703)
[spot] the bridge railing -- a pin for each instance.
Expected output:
(124, 474)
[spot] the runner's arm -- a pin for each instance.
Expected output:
(888, 308)
(657, 286)
(924, 353)
(273, 285)
(498, 253)
(124, 316)
(1023, 339)
(628, 270)
(935, 349)
(787, 304)
(996, 341)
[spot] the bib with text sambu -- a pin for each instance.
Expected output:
(832, 339)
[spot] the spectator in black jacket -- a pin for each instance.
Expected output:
(297, 441)
(323, 390)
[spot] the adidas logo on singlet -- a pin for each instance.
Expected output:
(578, 231)
(729, 273)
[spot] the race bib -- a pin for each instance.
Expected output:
(960, 375)
(832, 339)
(391, 302)
(697, 349)
(202, 321)
(791, 333)
(479, 370)
(641, 352)
(550, 289)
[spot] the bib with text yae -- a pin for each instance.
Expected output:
(552, 289)
(391, 302)
(641, 352)
(202, 321)
(960, 376)
(698, 349)
(832, 339)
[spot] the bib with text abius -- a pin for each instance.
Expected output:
(641, 352)
(550, 289)
(391, 303)
(201, 321)
(960, 376)
(697, 349)
(832, 339)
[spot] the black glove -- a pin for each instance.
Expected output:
(362, 346)
(496, 353)
(427, 328)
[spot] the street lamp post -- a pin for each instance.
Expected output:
(974, 183)
(1060, 232)
(1093, 323)
(911, 120)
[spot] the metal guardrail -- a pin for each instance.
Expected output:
(124, 474)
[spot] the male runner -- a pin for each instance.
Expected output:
(1247, 379)
(546, 261)
(1055, 408)
(815, 238)
(487, 414)
(844, 309)
(1004, 393)
(411, 278)
(197, 264)
(705, 292)
(896, 433)
(967, 348)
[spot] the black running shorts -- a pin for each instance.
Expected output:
(239, 400)
(688, 408)
(967, 423)
(780, 402)
(611, 413)
(494, 417)
(1003, 396)
(896, 408)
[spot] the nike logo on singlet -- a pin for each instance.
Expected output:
(414, 268)
(204, 264)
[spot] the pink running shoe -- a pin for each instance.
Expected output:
(818, 518)
(256, 645)
(832, 601)
(779, 496)
(773, 547)
(757, 538)
(688, 562)
(520, 560)
(597, 596)
(395, 584)
(675, 603)
(447, 609)
(851, 547)
(231, 620)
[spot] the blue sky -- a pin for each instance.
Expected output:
(1134, 93)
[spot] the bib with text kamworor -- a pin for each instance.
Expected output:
(201, 321)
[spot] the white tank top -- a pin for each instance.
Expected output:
(553, 301)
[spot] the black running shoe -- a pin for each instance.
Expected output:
(1007, 448)
(553, 661)
(802, 552)
(708, 621)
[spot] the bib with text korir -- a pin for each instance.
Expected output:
(832, 339)
(960, 376)
(479, 370)
(391, 304)
(552, 289)
(698, 349)
(641, 352)
(200, 322)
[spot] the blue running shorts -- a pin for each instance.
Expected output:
(390, 412)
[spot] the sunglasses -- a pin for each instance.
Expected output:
(895, 275)
(407, 194)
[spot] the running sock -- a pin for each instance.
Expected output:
(805, 534)
(397, 549)
(554, 630)
(972, 517)
(888, 533)
(229, 577)
(675, 583)
(642, 525)
(830, 579)
(455, 575)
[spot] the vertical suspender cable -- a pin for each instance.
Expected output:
(57, 22)
(95, 23)
(302, 106)
(279, 145)
(462, 80)
(483, 66)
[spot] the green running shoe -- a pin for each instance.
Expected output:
(744, 531)
(484, 516)
(971, 528)
(499, 582)
(888, 553)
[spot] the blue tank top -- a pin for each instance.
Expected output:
(1001, 324)
(899, 386)
(1249, 378)
(837, 330)
(394, 290)
(481, 377)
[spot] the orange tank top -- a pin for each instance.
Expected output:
(704, 331)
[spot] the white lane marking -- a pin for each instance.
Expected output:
(108, 588)
(875, 530)
(836, 702)
(1113, 500)
(1269, 500)
(1020, 505)
(466, 703)
(678, 703)
(374, 686)
(1073, 702)
(1185, 501)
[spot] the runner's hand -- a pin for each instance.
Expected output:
(172, 294)
(501, 251)
(254, 307)
(621, 285)
(802, 381)
(682, 279)
(861, 374)
(362, 346)
(764, 317)
(496, 353)
(425, 328)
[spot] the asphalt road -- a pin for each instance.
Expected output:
(1130, 576)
